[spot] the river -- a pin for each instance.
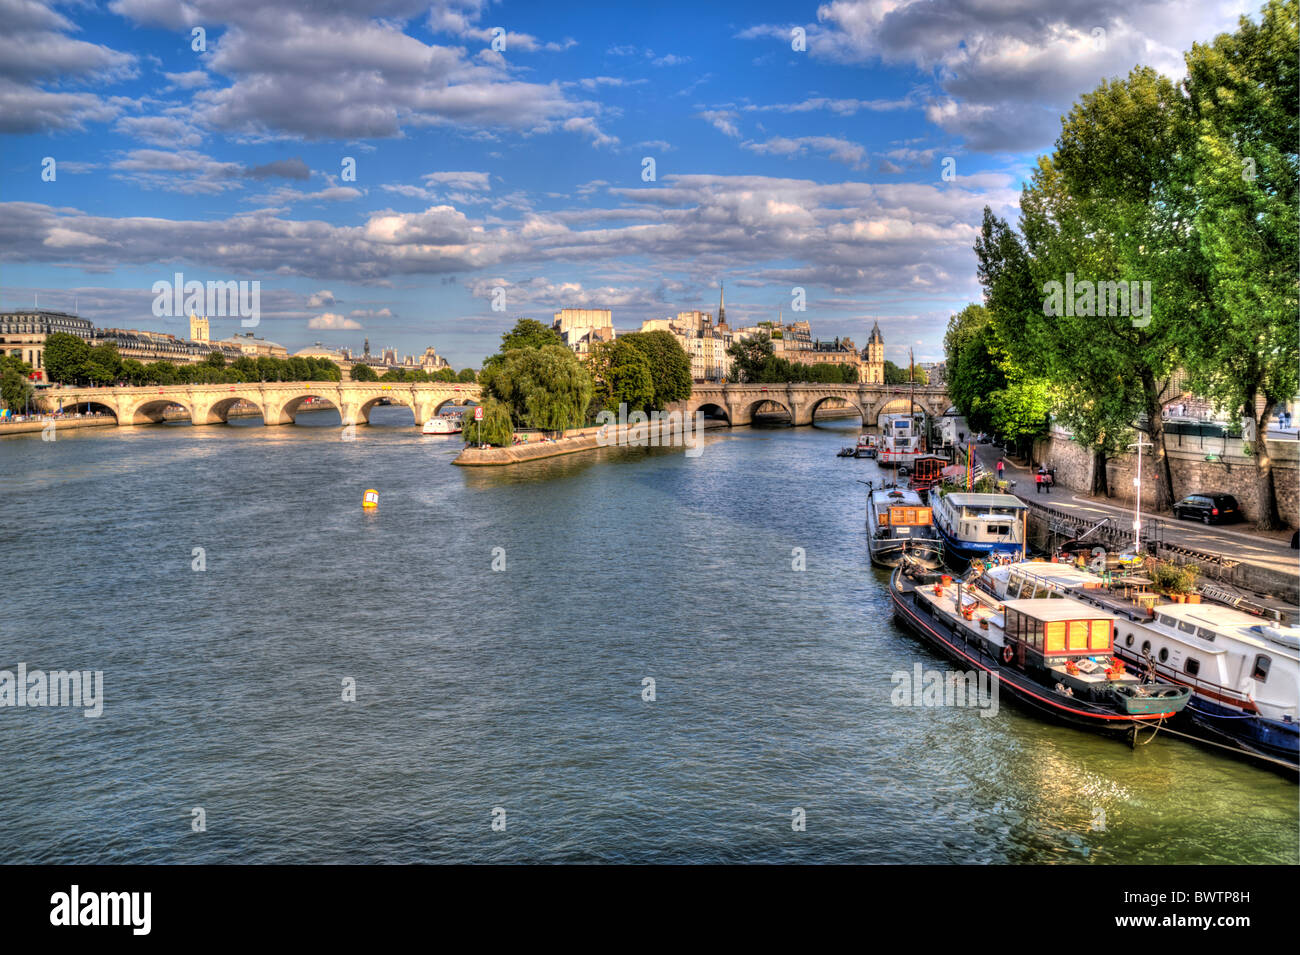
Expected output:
(521, 689)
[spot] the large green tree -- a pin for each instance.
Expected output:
(1241, 341)
(545, 388)
(670, 366)
(621, 374)
(64, 357)
(15, 386)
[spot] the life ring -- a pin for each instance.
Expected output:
(1007, 653)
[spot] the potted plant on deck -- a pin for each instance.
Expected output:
(1176, 581)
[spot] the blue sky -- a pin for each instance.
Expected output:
(522, 168)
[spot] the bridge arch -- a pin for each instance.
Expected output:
(752, 408)
(900, 406)
(362, 412)
(713, 410)
(819, 401)
(82, 407)
(287, 413)
(219, 411)
(151, 411)
(453, 401)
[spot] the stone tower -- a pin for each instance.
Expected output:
(198, 328)
(874, 354)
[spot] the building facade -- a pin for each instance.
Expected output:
(23, 333)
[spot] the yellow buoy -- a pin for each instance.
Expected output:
(370, 498)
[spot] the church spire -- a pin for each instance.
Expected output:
(722, 304)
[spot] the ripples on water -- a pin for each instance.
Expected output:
(522, 689)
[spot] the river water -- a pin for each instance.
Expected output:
(521, 689)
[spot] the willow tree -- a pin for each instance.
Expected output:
(545, 388)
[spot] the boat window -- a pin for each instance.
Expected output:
(1186, 626)
(1146, 647)
(1164, 654)
(1128, 641)
(1205, 633)
(1166, 620)
(1192, 666)
(1262, 663)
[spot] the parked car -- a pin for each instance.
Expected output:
(1210, 508)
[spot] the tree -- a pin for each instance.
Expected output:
(445, 375)
(467, 376)
(621, 375)
(133, 372)
(1107, 206)
(64, 356)
(363, 373)
(545, 388)
(1241, 344)
(530, 333)
(103, 365)
(15, 386)
(670, 367)
(495, 428)
(215, 359)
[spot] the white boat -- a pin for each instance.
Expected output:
(900, 442)
(1243, 670)
(866, 446)
(977, 525)
(449, 423)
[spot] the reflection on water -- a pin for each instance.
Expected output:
(522, 688)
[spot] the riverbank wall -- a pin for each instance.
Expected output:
(581, 439)
(1197, 465)
(61, 424)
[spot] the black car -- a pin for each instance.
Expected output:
(1210, 508)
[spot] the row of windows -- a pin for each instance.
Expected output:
(1192, 666)
(1059, 636)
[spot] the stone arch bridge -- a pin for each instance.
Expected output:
(740, 402)
(279, 401)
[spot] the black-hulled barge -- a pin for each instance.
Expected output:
(1051, 656)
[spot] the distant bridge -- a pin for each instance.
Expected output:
(738, 403)
(279, 401)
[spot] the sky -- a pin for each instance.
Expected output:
(382, 168)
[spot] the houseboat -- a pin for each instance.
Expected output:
(900, 441)
(1054, 657)
(1243, 670)
(866, 445)
(926, 472)
(979, 525)
(899, 523)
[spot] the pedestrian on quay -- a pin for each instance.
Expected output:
(1039, 477)
(1001, 465)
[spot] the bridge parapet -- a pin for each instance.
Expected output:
(279, 401)
(739, 401)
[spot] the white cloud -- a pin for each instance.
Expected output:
(333, 322)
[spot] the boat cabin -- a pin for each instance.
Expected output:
(904, 510)
(1058, 629)
(927, 471)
